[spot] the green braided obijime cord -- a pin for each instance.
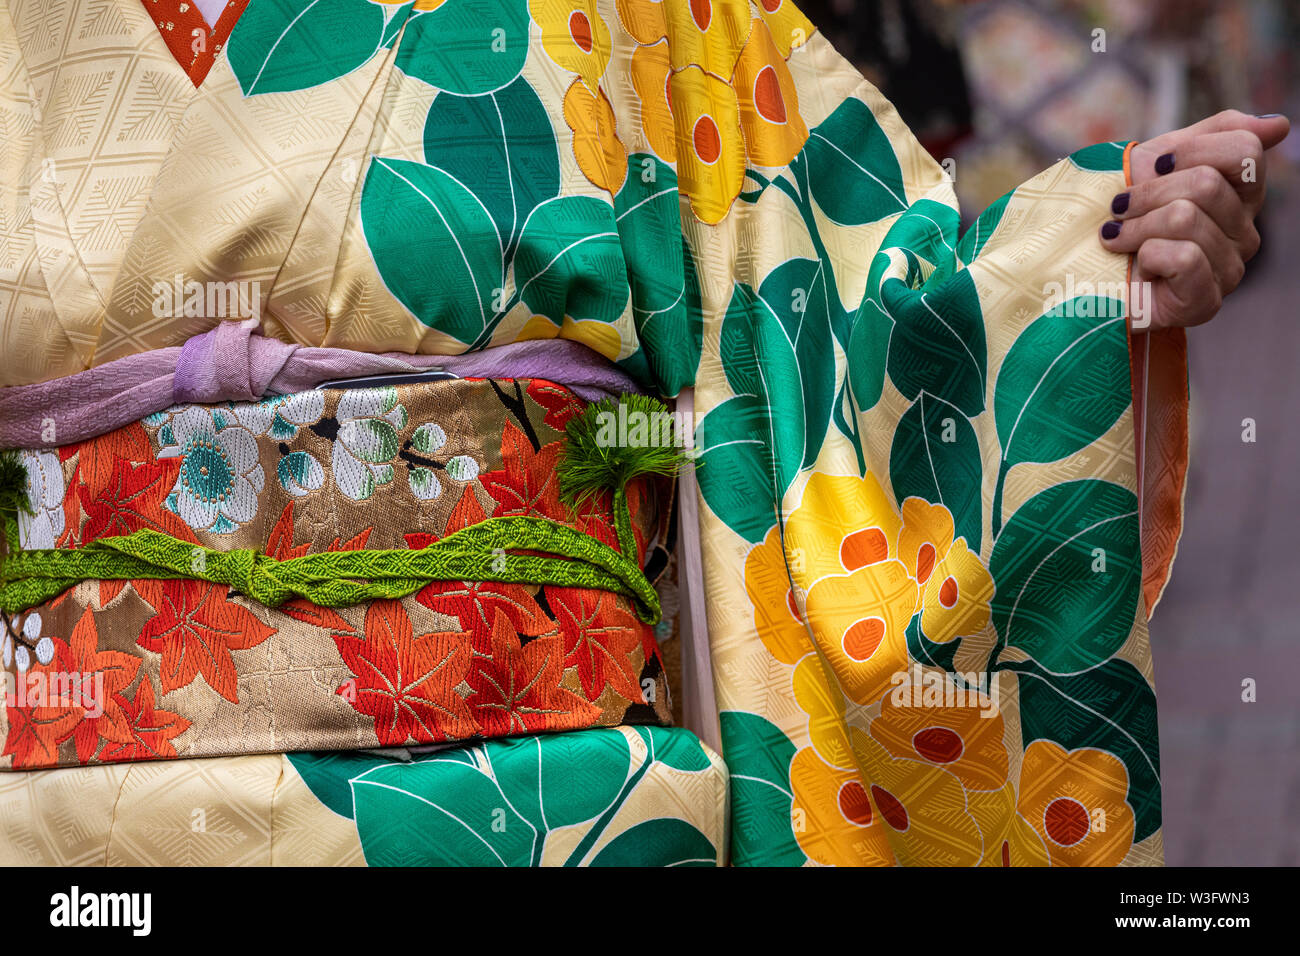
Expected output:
(481, 552)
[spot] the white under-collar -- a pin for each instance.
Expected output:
(211, 9)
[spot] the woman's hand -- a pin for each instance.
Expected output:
(1189, 216)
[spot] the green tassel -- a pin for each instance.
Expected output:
(613, 442)
(606, 447)
(13, 495)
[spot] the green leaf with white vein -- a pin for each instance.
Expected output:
(283, 45)
(434, 244)
(759, 756)
(852, 168)
(494, 805)
(1102, 157)
(935, 456)
(748, 454)
(501, 147)
(1068, 572)
(978, 235)
(439, 813)
(938, 344)
(466, 46)
(1064, 383)
(670, 841)
(798, 294)
(570, 261)
(661, 271)
(1110, 708)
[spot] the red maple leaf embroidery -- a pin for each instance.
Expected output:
(300, 609)
(527, 484)
(151, 729)
(467, 512)
(132, 499)
(406, 683)
(195, 628)
(108, 592)
(92, 475)
(40, 717)
(560, 403)
(355, 543)
(476, 604)
(279, 544)
(100, 677)
(97, 458)
(599, 634)
(517, 689)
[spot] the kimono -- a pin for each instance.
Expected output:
(934, 492)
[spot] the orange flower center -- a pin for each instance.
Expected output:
(1066, 821)
(894, 813)
(854, 804)
(864, 547)
(863, 637)
(948, 592)
(702, 13)
(767, 96)
(938, 744)
(925, 556)
(707, 139)
(580, 30)
(771, 6)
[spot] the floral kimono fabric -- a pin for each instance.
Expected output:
(940, 481)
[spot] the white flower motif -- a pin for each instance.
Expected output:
(369, 419)
(220, 475)
(427, 439)
(39, 531)
(22, 660)
(299, 473)
(282, 415)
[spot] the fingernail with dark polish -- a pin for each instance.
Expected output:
(1119, 205)
(1165, 164)
(1110, 230)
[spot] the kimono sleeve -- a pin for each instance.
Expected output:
(919, 470)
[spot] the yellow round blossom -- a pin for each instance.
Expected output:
(708, 34)
(650, 74)
(859, 622)
(643, 20)
(574, 36)
(842, 523)
(961, 733)
(596, 145)
(769, 103)
(710, 150)
(1077, 802)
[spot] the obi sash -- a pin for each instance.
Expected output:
(337, 569)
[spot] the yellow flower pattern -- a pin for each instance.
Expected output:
(921, 773)
(714, 90)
